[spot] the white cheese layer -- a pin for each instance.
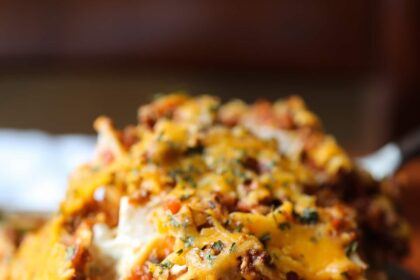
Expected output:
(124, 243)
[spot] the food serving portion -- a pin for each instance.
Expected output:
(204, 190)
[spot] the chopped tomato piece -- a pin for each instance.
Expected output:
(173, 205)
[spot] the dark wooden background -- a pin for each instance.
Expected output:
(299, 36)
(356, 62)
(368, 43)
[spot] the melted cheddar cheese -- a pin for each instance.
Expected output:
(200, 190)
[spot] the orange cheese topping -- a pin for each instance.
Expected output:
(205, 191)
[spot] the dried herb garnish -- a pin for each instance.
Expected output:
(212, 204)
(190, 180)
(209, 257)
(184, 197)
(265, 238)
(160, 136)
(166, 264)
(284, 226)
(70, 252)
(185, 175)
(196, 150)
(188, 240)
(179, 252)
(309, 217)
(176, 223)
(239, 227)
(217, 246)
(351, 248)
(232, 247)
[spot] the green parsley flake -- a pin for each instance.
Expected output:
(184, 197)
(209, 257)
(217, 246)
(188, 240)
(309, 217)
(166, 264)
(351, 248)
(284, 226)
(232, 247)
(265, 238)
(70, 252)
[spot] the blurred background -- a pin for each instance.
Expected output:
(355, 62)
